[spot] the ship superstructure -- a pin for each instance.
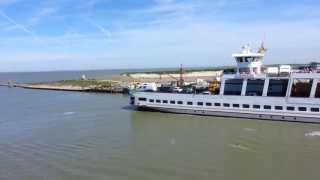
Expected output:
(253, 91)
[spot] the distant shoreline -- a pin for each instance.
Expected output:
(149, 70)
(121, 82)
(176, 71)
(116, 83)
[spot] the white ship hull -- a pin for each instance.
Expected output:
(237, 112)
(246, 115)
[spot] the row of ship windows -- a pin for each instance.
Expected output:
(276, 87)
(227, 105)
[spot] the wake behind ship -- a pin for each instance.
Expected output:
(253, 91)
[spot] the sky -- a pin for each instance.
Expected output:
(51, 35)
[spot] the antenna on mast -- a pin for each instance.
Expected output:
(262, 49)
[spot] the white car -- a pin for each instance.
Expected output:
(147, 87)
(206, 93)
(177, 89)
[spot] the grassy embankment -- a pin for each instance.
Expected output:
(177, 71)
(84, 83)
(218, 68)
(91, 85)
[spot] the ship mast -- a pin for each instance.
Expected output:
(181, 80)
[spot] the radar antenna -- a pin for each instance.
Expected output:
(262, 49)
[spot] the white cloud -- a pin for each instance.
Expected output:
(175, 32)
(41, 14)
(303, 11)
(100, 28)
(16, 25)
(7, 2)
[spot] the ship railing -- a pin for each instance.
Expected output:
(306, 71)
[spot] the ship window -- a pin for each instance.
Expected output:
(244, 70)
(180, 102)
(301, 88)
(190, 103)
(151, 100)
(317, 95)
(233, 87)
(200, 103)
(277, 87)
(278, 107)
(208, 104)
(142, 99)
(245, 106)
(248, 59)
(158, 101)
(132, 100)
(217, 104)
(314, 109)
(266, 107)
(290, 108)
(302, 109)
(256, 106)
(226, 105)
(255, 87)
(165, 102)
(236, 105)
(172, 102)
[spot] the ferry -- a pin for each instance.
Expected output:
(253, 91)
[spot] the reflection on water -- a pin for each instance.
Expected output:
(63, 135)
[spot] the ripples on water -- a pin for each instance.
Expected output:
(68, 113)
(63, 135)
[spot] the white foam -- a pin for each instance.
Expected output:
(312, 134)
(238, 146)
(249, 129)
(172, 141)
(68, 113)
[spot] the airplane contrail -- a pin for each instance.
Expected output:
(99, 27)
(23, 28)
